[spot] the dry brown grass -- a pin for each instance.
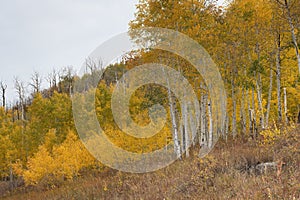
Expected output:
(227, 173)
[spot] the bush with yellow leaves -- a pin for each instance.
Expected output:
(269, 136)
(39, 166)
(64, 161)
(71, 156)
(207, 166)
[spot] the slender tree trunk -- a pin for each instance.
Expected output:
(3, 98)
(36, 82)
(124, 82)
(203, 139)
(181, 132)
(186, 130)
(11, 177)
(269, 96)
(18, 112)
(3, 89)
(250, 115)
(234, 132)
(292, 29)
(175, 128)
(251, 126)
(278, 78)
(193, 127)
(259, 97)
(226, 126)
(210, 129)
(285, 107)
(249, 108)
(21, 93)
(242, 114)
(253, 116)
(174, 122)
(259, 85)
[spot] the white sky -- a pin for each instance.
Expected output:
(40, 35)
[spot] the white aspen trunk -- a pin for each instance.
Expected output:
(269, 96)
(259, 97)
(210, 129)
(254, 127)
(292, 30)
(193, 127)
(242, 112)
(234, 132)
(259, 86)
(278, 79)
(181, 132)
(206, 120)
(174, 123)
(199, 128)
(175, 129)
(226, 127)
(124, 83)
(251, 125)
(285, 106)
(186, 130)
(249, 108)
(242, 123)
(116, 78)
(3, 90)
(196, 123)
(203, 139)
(250, 115)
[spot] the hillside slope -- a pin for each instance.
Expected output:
(231, 171)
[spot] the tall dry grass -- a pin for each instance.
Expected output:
(228, 172)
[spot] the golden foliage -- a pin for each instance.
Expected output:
(66, 160)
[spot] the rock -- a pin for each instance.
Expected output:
(266, 167)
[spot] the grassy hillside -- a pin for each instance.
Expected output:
(229, 172)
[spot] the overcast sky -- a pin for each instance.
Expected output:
(40, 35)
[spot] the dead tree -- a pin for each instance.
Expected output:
(19, 85)
(66, 80)
(52, 80)
(95, 69)
(3, 90)
(36, 81)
